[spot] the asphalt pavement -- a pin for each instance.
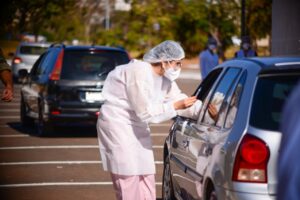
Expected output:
(66, 164)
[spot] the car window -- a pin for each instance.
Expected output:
(232, 106)
(35, 68)
(32, 50)
(204, 88)
(221, 91)
(269, 97)
(86, 65)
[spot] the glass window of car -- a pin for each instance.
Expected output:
(232, 106)
(269, 96)
(86, 65)
(205, 87)
(32, 50)
(35, 70)
(221, 91)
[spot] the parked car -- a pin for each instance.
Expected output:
(64, 86)
(233, 156)
(26, 55)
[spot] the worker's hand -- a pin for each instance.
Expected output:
(7, 94)
(212, 110)
(185, 103)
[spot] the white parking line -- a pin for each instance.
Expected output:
(13, 135)
(59, 163)
(61, 147)
(9, 117)
(59, 184)
(9, 110)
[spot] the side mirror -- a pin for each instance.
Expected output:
(23, 76)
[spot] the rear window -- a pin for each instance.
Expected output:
(269, 97)
(86, 65)
(32, 50)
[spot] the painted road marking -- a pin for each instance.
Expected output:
(59, 163)
(59, 184)
(61, 147)
(13, 135)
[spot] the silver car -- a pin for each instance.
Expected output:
(233, 155)
(26, 55)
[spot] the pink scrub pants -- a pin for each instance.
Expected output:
(140, 187)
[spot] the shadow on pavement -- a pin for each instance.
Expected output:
(66, 131)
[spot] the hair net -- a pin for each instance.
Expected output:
(165, 51)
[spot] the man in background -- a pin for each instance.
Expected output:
(246, 49)
(6, 78)
(208, 57)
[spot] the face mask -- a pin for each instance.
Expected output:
(172, 74)
(246, 46)
(212, 47)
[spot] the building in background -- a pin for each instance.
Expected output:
(285, 38)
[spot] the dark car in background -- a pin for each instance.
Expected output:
(64, 85)
(233, 156)
(25, 56)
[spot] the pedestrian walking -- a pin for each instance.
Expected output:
(6, 78)
(208, 58)
(246, 49)
(139, 93)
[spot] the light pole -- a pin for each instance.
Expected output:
(107, 15)
(243, 19)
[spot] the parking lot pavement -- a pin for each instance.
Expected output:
(66, 164)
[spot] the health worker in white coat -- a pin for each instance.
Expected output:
(136, 94)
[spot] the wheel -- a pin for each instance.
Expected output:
(167, 186)
(212, 194)
(25, 120)
(43, 127)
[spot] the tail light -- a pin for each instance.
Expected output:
(97, 113)
(55, 75)
(55, 112)
(251, 161)
(17, 60)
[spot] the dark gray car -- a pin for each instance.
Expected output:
(65, 84)
(233, 156)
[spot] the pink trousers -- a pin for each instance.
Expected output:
(140, 187)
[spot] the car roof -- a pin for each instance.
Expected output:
(267, 64)
(39, 44)
(91, 47)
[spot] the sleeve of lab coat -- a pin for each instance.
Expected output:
(140, 92)
(175, 94)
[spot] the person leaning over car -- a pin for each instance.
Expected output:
(139, 93)
(6, 78)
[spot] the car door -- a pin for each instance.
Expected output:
(203, 136)
(31, 88)
(180, 139)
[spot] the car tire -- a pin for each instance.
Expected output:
(43, 127)
(25, 120)
(167, 186)
(211, 194)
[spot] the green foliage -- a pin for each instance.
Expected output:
(148, 23)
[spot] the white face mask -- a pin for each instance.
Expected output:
(172, 74)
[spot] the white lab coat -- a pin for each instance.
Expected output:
(135, 96)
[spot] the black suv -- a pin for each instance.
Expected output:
(64, 85)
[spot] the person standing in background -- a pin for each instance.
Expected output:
(208, 57)
(246, 49)
(6, 78)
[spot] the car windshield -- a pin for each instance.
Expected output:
(32, 50)
(87, 65)
(269, 97)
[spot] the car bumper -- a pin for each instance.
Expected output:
(17, 67)
(233, 195)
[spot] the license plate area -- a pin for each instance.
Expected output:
(92, 96)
